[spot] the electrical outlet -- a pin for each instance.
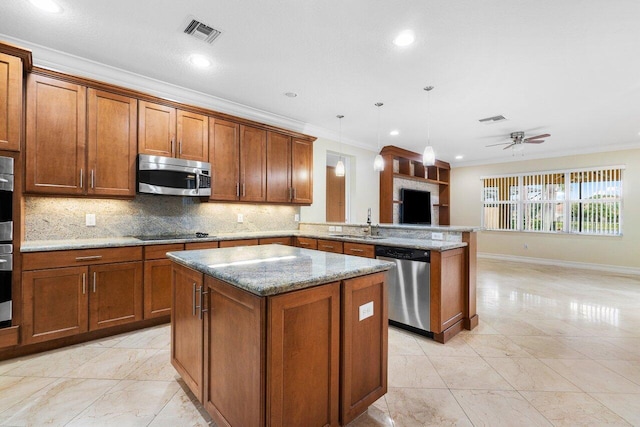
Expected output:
(90, 220)
(338, 228)
(332, 228)
(296, 217)
(365, 310)
(436, 236)
(526, 246)
(240, 218)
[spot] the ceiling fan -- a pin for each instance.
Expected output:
(518, 138)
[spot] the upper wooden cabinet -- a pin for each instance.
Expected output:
(224, 156)
(73, 149)
(289, 169)
(253, 164)
(166, 131)
(10, 102)
(56, 136)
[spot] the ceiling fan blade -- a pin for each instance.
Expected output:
(544, 135)
(509, 146)
(537, 141)
(501, 143)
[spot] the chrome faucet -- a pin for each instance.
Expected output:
(367, 230)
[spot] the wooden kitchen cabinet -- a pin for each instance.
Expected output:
(56, 136)
(224, 156)
(201, 245)
(170, 132)
(359, 249)
(289, 169)
(276, 240)
(111, 144)
(330, 246)
(187, 327)
(253, 164)
(447, 293)
(79, 141)
(157, 279)
(306, 242)
(241, 242)
(11, 68)
(78, 291)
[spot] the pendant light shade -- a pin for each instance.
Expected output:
(340, 164)
(340, 168)
(378, 162)
(428, 156)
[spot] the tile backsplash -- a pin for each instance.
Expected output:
(52, 218)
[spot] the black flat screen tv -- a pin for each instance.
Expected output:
(415, 207)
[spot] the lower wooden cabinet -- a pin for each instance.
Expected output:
(60, 302)
(359, 249)
(306, 242)
(234, 243)
(330, 246)
(157, 279)
(276, 240)
(447, 293)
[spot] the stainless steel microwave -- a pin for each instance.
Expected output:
(170, 176)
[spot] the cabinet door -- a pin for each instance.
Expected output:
(224, 156)
(363, 370)
(116, 294)
(10, 102)
(55, 147)
(111, 141)
(193, 136)
(156, 129)
(447, 293)
(187, 326)
(302, 171)
(54, 303)
(253, 164)
(234, 355)
(304, 330)
(157, 288)
(279, 168)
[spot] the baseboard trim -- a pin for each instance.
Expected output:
(634, 271)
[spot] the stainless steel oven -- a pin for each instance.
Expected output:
(6, 239)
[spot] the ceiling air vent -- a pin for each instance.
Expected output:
(493, 119)
(202, 31)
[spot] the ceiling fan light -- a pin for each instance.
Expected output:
(429, 156)
(378, 163)
(340, 168)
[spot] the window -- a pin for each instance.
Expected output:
(585, 201)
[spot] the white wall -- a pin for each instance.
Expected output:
(614, 251)
(364, 183)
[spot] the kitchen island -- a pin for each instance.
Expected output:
(276, 335)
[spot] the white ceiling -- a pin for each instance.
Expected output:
(570, 68)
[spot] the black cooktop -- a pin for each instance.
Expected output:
(150, 238)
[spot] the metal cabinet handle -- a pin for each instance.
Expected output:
(180, 147)
(3, 180)
(81, 176)
(171, 146)
(290, 193)
(92, 179)
(295, 194)
(356, 250)
(327, 247)
(88, 258)
(202, 309)
(84, 283)
(305, 244)
(194, 299)
(94, 282)
(244, 193)
(237, 189)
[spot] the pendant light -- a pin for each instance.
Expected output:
(429, 156)
(378, 162)
(340, 164)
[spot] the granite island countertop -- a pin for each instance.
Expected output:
(274, 269)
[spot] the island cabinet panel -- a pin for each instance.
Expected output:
(187, 327)
(364, 344)
(234, 372)
(55, 304)
(306, 243)
(303, 357)
(157, 279)
(56, 136)
(447, 293)
(10, 102)
(224, 156)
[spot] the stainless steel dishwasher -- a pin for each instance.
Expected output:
(409, 285)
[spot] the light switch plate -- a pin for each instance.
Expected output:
(240, 218)
(365, 310)
(436, 236)
(90, 220)
(296, 217)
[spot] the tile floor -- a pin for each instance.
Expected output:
(554, 347)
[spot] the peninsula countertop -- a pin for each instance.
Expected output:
(274, 269)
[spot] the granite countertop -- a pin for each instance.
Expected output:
(275, 269)
(114, 242)
(443, 228)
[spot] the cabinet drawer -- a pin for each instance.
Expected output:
(330, 246)
(243, 242)
(201, 245)
(306, 242)
(276, 240)
(359, 249)
(53, 259)
(160, 251)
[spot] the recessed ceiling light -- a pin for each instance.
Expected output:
(459, 157)
(405, 38)
(291, 94)
(47, 5)
(394, 132)
(199, 61)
